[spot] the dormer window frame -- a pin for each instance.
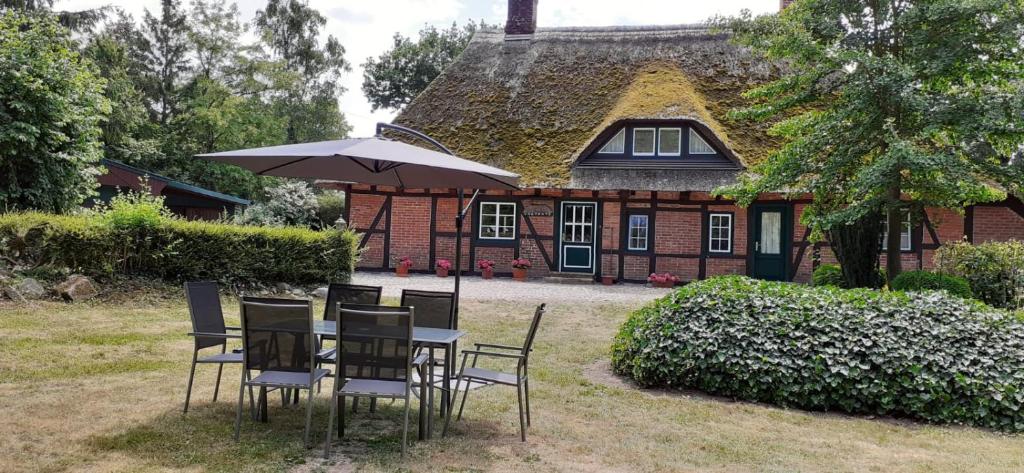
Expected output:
(693, 133)
(654, 141)
(598, 153)
(619, 134)
(679, 144)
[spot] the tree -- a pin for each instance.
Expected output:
(307, 81)
(78, 21)
(51, 106)
(398, 75)
(215, 32)
(291, 203)
(166, 63)
(887, 106)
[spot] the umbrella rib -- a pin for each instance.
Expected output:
(354, 160)
(495, 180)
(283, 165)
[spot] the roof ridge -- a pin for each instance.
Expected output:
(596, 32)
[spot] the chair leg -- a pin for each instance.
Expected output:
(526, 392)
(241, 400)
(216, 387)
(465, 394)
(455, 394)
(522, 415)
(330, 422)
(309, 415)
(341, 415)
(405, 424)
(191, 376)
(422, 424)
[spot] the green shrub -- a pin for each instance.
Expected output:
(177, 250)
(923, 355)
(926, 280)
(828, 275)
(995, 271)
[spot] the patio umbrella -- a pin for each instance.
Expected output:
(378, 161)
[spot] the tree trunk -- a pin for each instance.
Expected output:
(893, 263)
(856, 247)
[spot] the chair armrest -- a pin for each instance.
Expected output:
(326, 352)
(420, 359)
(233, 328)
(499, 347)
(489, 353)
(213, 335)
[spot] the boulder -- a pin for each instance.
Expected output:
(76, 288)
(320, 292)
(283, 287)
(14, 295)
(30, 288)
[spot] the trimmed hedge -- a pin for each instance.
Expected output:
(924, 355)
(929, 281)
(178, 250)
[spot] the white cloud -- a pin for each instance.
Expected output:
(365, 27)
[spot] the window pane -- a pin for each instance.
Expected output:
(643, 141)
(617, 144)
(771, 233)
(720, 238)
(487, 232)
(698, 145)
(638, 232)
(505, 232)
(668, 141)
(488, 220)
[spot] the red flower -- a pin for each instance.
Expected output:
(662, 278)
(405, 262)
(521, 263)
(485, 264)
(444, 264)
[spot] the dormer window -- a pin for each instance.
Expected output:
(616, 145)
(669, 141)
(643, 141)
(698, 145)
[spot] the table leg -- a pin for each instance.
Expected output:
(430, 393)
(446, 395)
(424, 386)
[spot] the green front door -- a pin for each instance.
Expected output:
(577, 237)
(770, 235)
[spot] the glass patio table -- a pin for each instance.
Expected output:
(426, 337)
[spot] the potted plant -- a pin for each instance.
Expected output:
(519, 267)
(607, 280)
(402, 267)
(662, 280)
(486, 268)
(443, 266)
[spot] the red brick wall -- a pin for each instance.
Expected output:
(997, 224)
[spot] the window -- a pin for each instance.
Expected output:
(698, 145)
(638, 232)
(497, 220)
(643, 142)
(669, 141)
(905, 242)
(720, 233)
(616, 145)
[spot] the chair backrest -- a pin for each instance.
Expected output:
(277, 334)
(532, 333)
(433, 309)
(338, 293)
(204, 308)
(375, 342)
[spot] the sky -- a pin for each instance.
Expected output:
(366, 27)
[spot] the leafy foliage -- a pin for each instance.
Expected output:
(398, 75)
(330, 209)
(886, 100)
(51, 106)
(291, 203)
(916, 355)
(926, 280)
(828, 275)
(177, 250)
(994, 270)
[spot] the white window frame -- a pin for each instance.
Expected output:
(497, 221)
(908, 229)
(620, 135)
(695, 134)
(728, 227)
(679, 144)
(654, 145)
(647, 232)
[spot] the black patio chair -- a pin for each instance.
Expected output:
(520, 379)
(208, 331)
(339, 293)
(374, 360)
(279, 343)
(434, 310)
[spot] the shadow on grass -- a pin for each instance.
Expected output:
(203, 437)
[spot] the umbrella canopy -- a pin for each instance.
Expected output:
(374, 161)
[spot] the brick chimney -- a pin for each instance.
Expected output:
(522, 17)
(784, 3)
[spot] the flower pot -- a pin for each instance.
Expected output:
(664, 284)
(607, 280)
(487, 273)
(442, 273)
(519, 274)
(402, 271)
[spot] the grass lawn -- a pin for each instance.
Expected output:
(99, 387)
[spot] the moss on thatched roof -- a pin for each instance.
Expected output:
(531, 106)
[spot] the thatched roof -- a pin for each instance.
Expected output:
(532, 106)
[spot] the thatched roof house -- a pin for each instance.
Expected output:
(538, 105)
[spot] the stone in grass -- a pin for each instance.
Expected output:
(320, 292)
(76, 288)
(30, 288)
(14, 295)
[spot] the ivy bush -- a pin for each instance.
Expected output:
(994, 270)
(923, 355)
(927, 280)
(177, 250)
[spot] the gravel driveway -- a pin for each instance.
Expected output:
(473, 287)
